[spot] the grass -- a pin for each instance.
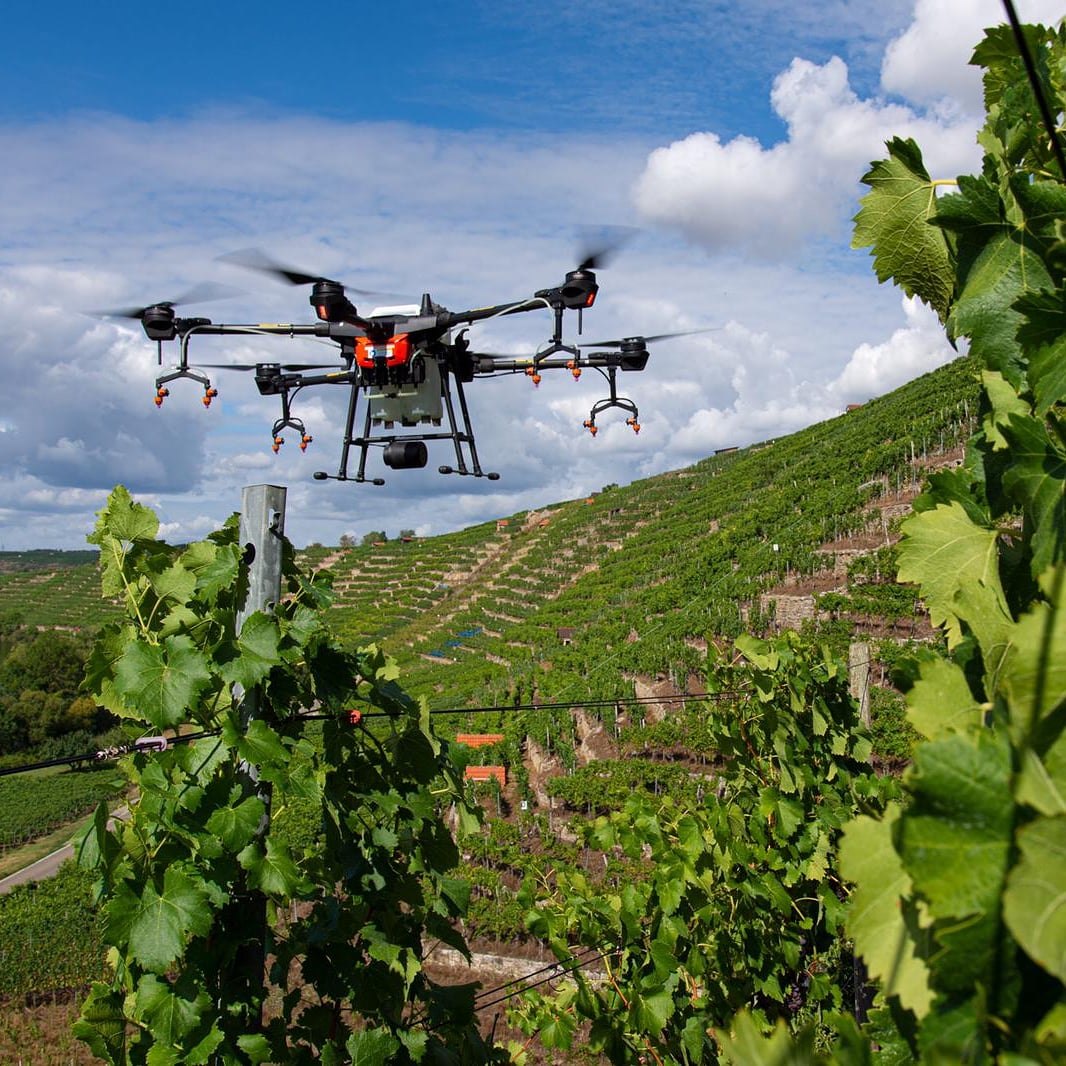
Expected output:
(16, 859)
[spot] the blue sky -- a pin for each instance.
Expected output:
(455, 148)
(660, 70)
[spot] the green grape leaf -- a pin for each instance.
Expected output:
(1034, 904)
(942, 551)
(124, 520)
(1004, 401)
(747, 1045)
(235, 826)
(1044, 334)
(272, 872)
(940, 700)
(649, 1012)
(215, 566)
(256, 1046)
(256, 652)
(1035, 678)
(372, 1047)
(261, 746)
(160, 925)
(174, 583)
(895, 220)
(983, 610)
(999, 260)
(161, 682)
(558, 1031)
(1036, 481)
(102, 1025)
(172, 1017)
(877, 921)
(955, 838)
(1041, 782)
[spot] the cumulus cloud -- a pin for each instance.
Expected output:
(739, 195)
(101, 211)
(928, 64)
(911, 351)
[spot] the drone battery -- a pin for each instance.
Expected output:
(406, 454)
(410, 403)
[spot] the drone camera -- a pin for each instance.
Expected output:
(406, 454)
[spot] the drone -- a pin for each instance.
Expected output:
(408, 363)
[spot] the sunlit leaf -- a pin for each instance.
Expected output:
(895, 222)
(163, 923)
(271, 871)
(888, 943)
(942, 550)
(256, 652)
(235, 826)
(940, 700)
(372, 1047)
(161, 682)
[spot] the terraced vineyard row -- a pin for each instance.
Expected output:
(68, 597)
(556, 604)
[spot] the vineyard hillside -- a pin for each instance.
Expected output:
(557, 603)
(632, 582)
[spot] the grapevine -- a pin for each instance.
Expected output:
(177, 880)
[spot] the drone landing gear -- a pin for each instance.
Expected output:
(492, 475)
(409, 452)
(614, 400)
(181, 371)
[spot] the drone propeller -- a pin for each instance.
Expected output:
(255, 259)
(600, 243)
(627, 341)
(197, 294)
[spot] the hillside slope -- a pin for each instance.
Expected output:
(561, 603)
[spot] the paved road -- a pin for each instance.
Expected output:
(39, 870)
(47, 867)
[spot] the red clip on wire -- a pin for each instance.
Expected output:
(355, 717)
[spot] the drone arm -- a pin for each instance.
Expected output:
(449, 319)
(333, 330)
(495, 364)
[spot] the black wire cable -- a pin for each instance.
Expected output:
(1037, 86)
(152, 743)
(559, 968)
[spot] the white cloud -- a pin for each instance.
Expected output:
(912, 350)
(928, 63)
(101, 211)
(740, 195)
